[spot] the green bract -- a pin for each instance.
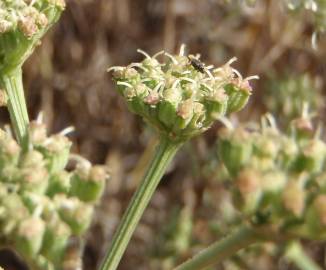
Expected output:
(178, 97)
(40, 205)
(22, 24)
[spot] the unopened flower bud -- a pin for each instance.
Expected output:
(59, 183)
(294, 198)
(55, 240)
(312, 157)
(37, 133)
(303, 127)
(35, 179)
(56, 152)
(29, 236)
(238, 96)
(14, 211)
(9, 151)
(89, 187)
(273, 182)
(248, 194)
(234, 148)
(32, 159)
(77, 214)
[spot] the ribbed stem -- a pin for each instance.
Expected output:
(297, 256)
(220, 250)
(165, 152)
(13, 86)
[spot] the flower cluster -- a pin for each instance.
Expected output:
(22, 24)
(181, 97)
(41, 204)
(278, 179)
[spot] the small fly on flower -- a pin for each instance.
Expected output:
(197, 64)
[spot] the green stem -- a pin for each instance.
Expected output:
(13, 85)
(165, 152)
(297, 255)
(220, 250)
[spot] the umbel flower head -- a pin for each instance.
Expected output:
(42, 204)
(181, 97)
(22, 24)
(278, 179)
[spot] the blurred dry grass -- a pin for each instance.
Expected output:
(66, 79)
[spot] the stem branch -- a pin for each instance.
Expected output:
(165, 152)
(13, 86)
(297, 256)
(220, 250)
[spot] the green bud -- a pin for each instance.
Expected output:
(12, 212)
(312, 157)
(273, 182)
(266, 146)
(9, 150)
(55, 240)
(288, 152)
(31, 160)
(30, 236)
(37, 133)
(59, 183)
(217, 103)
(234, 148)
(248, 193)
(293, 198)
(88, 184)
(239, 92)
(56, 151)
(77, 214)
(35, 179)
(303, 128)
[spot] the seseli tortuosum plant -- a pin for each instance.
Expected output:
(180, 98)
(22, 24)
(279, 187)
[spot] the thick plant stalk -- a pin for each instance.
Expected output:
(13, 86)
(297, 256)
(165, 152)
(220, 250)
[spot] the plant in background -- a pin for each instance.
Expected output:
(174, 241)
(317, 7)
(278, 186)
(285, 97)
(180, 98)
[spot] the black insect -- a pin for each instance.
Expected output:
(197, 64)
